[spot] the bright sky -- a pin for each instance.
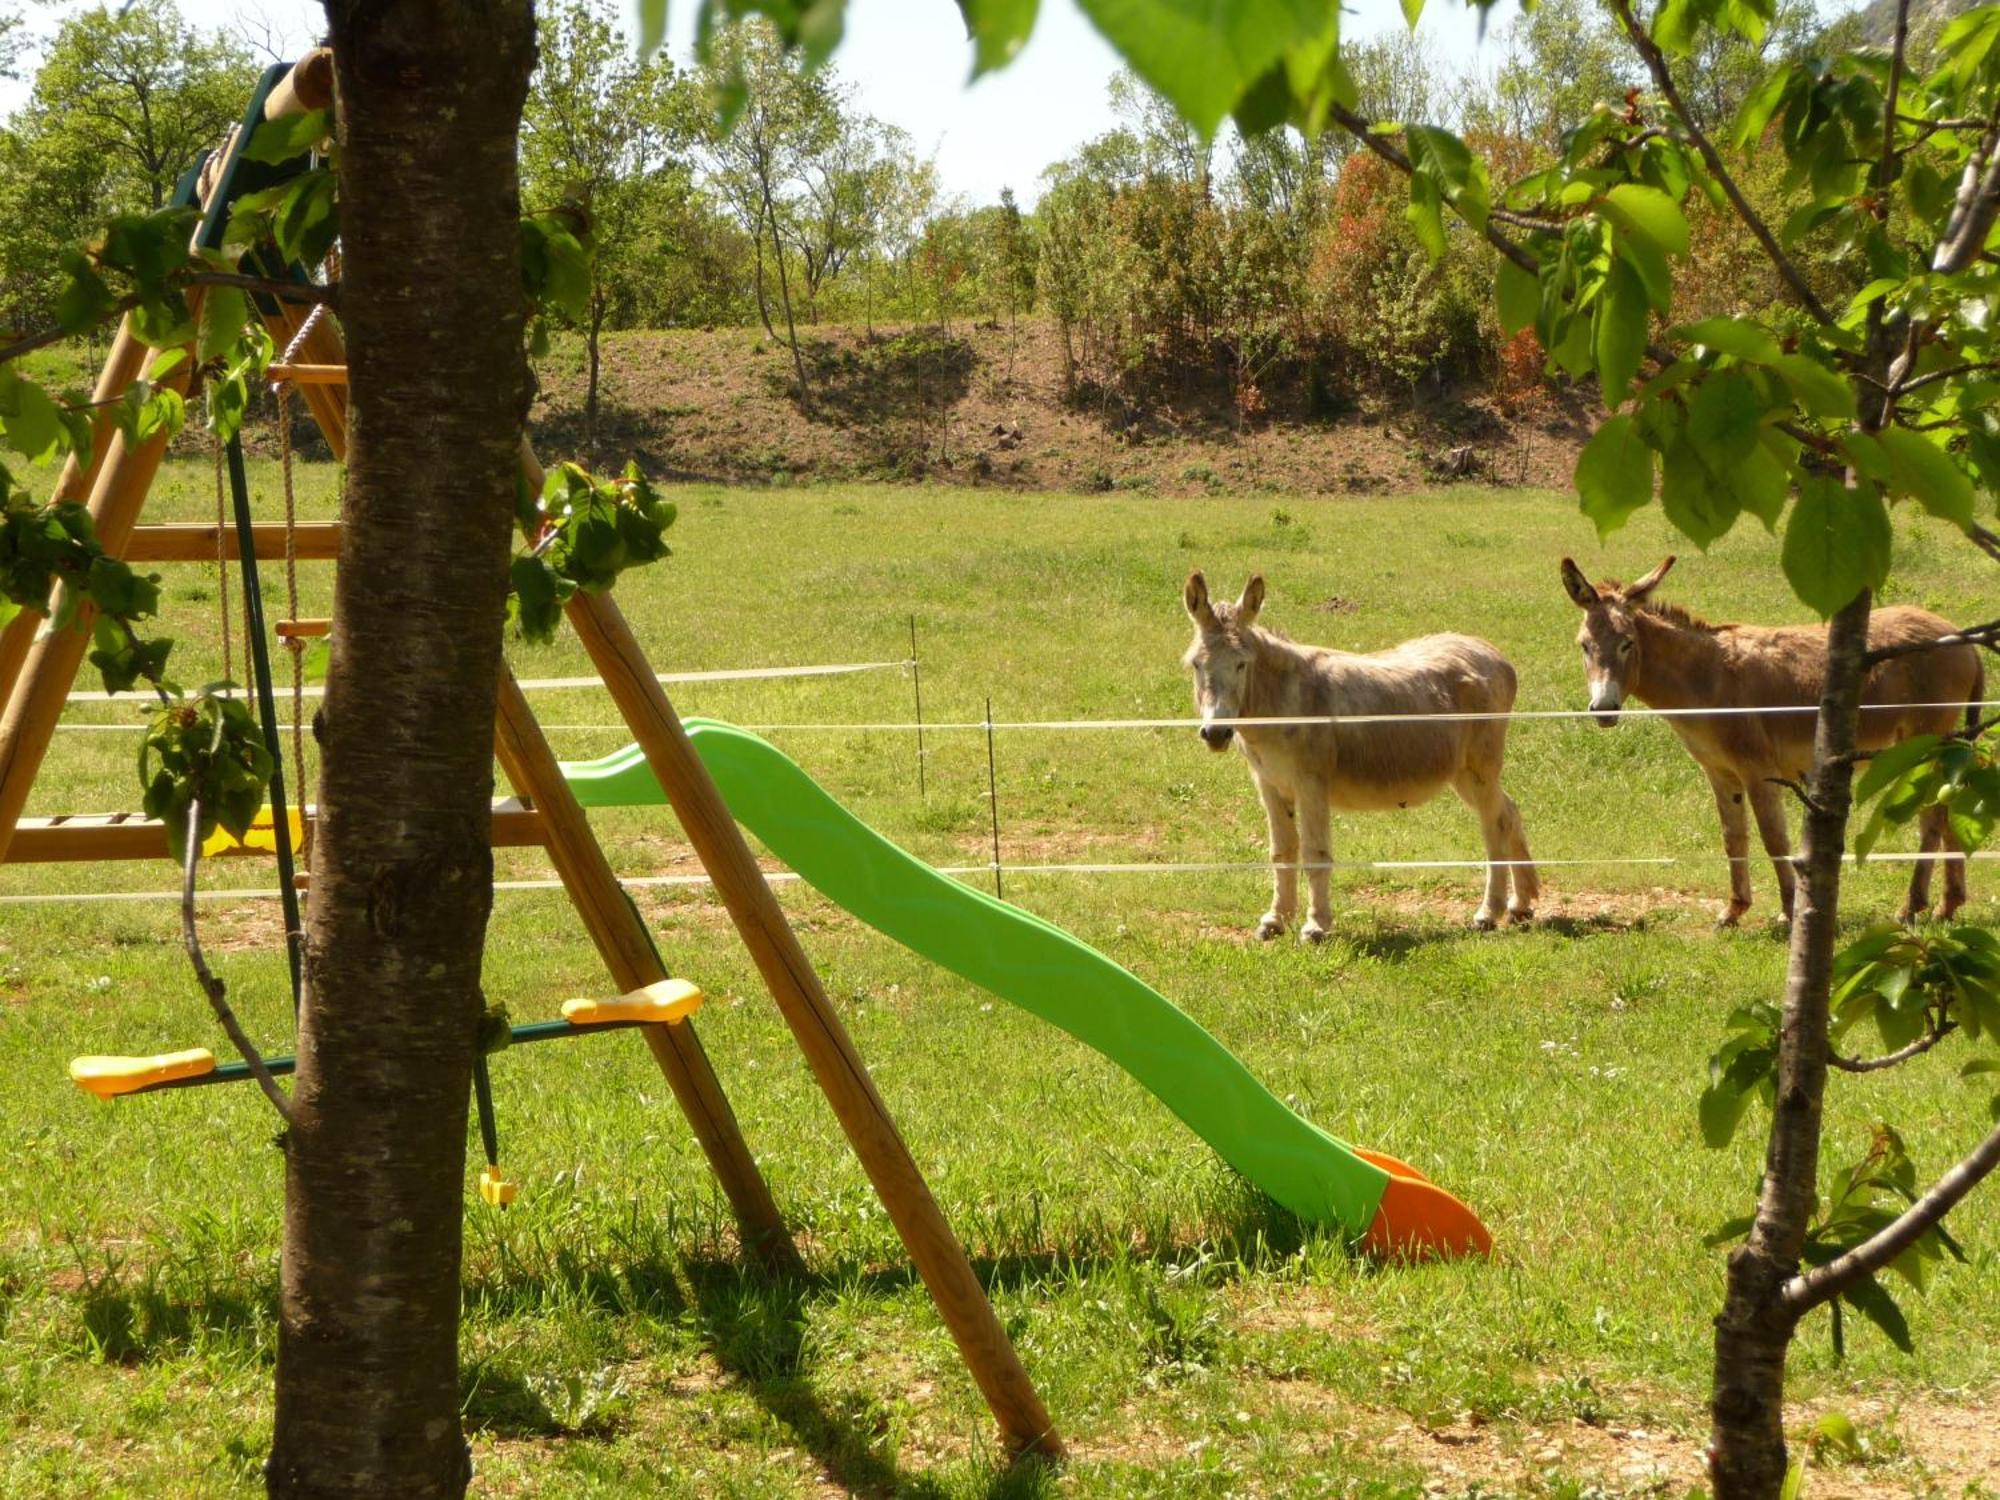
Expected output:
(908, 61)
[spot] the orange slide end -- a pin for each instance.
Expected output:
(1418, 1220)
(1395, 1166)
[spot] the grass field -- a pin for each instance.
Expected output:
(1188, 1339)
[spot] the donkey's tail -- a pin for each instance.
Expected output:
(1978, 693)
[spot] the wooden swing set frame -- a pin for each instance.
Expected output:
(39, 667)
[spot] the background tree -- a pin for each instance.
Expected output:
(606, 133)
(122, 103)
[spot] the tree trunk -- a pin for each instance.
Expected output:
(367, 1378)
(763, 299)
(1753, 1331)
(593, 342)
(785, 295)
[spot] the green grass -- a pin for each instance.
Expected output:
(1189, 1341)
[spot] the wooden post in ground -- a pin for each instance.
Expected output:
(628, 952)
(842, 1075)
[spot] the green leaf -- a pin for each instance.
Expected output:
(1200, 55)
(1925, 472)
(1518, 296)
(1817, 388)
(1737, 337)
(1639, 209)
(1614, 474)
(1872, 1300)
(1892, 762)
(1761, 482)
(1701, 507)
(1980, 1065)
(1722, 1108)
(278, 141)
(1619, 340)
(224, 311)
(1836, 543)
(32, 419)
(999, 30)
(1723, 419)
(84, 301)
(1425, 216)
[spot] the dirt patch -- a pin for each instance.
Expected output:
(985, 405)
(1919, 1446)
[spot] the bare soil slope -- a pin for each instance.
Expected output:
(986, 404)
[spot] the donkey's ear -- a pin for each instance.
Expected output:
(1577, 586)
(1251, 601)
(1650, 582)
(1195, 596)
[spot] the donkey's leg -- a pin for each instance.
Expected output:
(1954, 874)
(1735, 844)
(1934, 823)
(1315, 825)
(1527, 883)
(1284, 823)
(1483, 795)
(1773, 828)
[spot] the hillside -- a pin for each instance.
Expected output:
(985, 405)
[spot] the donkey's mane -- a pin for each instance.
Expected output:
(1673, 614)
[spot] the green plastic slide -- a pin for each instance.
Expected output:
(1029, 963)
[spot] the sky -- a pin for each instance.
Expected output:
(908, 61)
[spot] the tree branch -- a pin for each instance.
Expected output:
(1987, 635)
(1973, 210)
(1803, 1293)
(1663, 80)
(292, 291)
(1364, 132)
(213, 987)
(1940, 1029)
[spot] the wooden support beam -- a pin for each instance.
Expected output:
(194, 542)
(307, 87)
(50, 668)
(125, 363)
(983, 1344)
(308, 374)
(302, 630)
(73, 838)
(628, 953)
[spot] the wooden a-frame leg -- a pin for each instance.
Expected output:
(49, 670)
(124, 364)
(628, 953)
(983, 1344)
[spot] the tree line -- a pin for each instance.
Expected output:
(1281, 269)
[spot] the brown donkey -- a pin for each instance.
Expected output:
(1302, 771)
(1666, 658)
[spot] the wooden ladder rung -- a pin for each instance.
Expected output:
(299, 630)
(307, 374)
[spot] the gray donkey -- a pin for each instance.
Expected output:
(1242, 671)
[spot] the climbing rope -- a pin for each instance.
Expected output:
(295, 646)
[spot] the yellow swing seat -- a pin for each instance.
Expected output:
(665, 1002)
(261, 837)
(110, 1077)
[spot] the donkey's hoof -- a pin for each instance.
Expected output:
(1312, 932)
(1270, 926)
(1520, 916)
(1484, 921)
(1732, 914)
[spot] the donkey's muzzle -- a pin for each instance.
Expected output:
(1606, 714)
(1217, 736)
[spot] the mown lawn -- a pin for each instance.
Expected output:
(1189, 1340)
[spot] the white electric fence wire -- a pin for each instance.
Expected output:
(778, 877)
(981, 725)
(558, 684)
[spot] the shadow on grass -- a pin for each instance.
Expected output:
(133, 1324)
